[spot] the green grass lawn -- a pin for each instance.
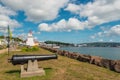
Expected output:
(61, 69)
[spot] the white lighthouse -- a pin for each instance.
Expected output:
(30, 40)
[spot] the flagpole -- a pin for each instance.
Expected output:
(8, 40)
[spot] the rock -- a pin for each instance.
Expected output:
(54, 50)
(112, 64)
(106, 63)
(84, 58)
(76, 55)
(80, 57)
(117, 66)
(70, 54)
(60, 52)
(95, 60)
(66, 53)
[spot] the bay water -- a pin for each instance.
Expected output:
(105, 52)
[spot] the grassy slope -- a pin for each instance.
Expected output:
(61, 69)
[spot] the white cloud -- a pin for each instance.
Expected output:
(101, 40)
(6, 11)
(5, 19)
(92, 37)
(73, 8)
(37, 10)
(113, 31)
(35, 38)
(111, 40)
(44, 27)
(38, 32)
(63, 25)
(98, 12)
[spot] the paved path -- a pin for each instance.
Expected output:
(3, 51)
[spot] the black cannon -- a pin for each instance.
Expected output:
(32, 65)
(22, 59)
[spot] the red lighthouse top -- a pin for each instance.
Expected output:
(30, 32)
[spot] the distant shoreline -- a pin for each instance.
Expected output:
(99, 44)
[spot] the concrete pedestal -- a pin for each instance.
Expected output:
(32, 70)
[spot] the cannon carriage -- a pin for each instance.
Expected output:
(32, 63)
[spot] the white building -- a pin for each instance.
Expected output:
(30, 40)
(3, 42)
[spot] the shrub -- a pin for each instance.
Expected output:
(29, 49)
(35, 48)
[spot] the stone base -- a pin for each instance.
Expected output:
(39, 72)
(32, 70)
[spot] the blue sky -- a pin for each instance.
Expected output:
(74, 21)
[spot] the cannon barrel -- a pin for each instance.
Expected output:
(22, 59)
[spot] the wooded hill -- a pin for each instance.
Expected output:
(94, 44)
(59, 43)
(101, 44)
